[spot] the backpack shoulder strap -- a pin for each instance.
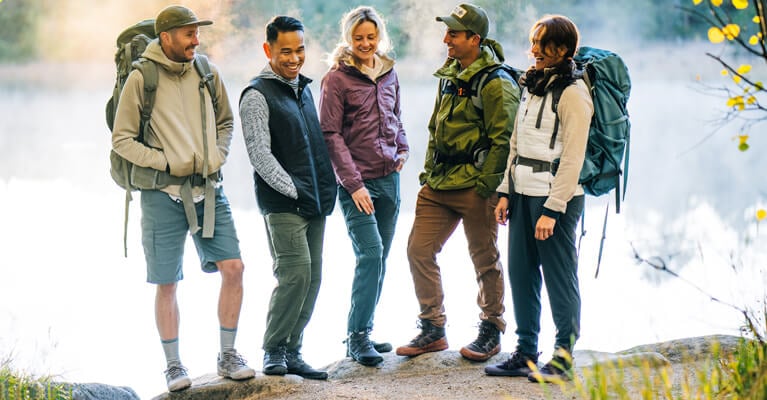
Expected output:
(149, 71)
(556, 95)
(202, 65)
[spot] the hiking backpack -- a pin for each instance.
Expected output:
(607, 151)
(472, 89)
(131, 44)
(609, 84)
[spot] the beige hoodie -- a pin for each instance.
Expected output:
(175, 136)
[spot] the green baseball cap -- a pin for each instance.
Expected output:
(468, 17)
(176, 16)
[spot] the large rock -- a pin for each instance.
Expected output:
(213, 387)
(689, 349)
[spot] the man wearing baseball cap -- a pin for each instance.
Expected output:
(469, 133)
(184, 145)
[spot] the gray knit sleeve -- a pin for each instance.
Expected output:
(254, 114)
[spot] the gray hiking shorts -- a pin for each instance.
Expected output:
(163, 233)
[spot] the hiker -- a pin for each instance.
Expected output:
(465, 160)
(360, 118)
(186, 142)
(295, 190)
(543, 203)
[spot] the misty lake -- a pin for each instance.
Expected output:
(72, 305)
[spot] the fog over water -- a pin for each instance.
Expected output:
(70, 304)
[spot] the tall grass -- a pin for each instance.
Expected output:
(16, 385)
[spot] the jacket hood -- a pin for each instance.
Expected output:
(491, 53)
(154, 52)
(346, 60)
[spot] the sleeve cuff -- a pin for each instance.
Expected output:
(551, 213)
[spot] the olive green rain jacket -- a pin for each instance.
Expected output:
(457, 127)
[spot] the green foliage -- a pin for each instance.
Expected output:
(17, 386)
(18, 23)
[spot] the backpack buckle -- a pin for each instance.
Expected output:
(196, 180)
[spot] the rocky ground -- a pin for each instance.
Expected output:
(446, 375)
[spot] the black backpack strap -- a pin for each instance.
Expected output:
(556, 95)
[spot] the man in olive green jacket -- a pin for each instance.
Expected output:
(465, 161)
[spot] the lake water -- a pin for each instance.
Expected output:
(72, 305)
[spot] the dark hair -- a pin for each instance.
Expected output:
(282, 24)
(558, 30)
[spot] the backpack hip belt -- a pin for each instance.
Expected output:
(195, 180)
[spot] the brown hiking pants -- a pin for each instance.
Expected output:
(437, 214)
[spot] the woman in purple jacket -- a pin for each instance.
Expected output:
(360, 118)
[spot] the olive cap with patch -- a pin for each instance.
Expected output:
(176, 16)
(468, 17)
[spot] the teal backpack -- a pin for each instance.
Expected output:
(607, 151)
(131, 44)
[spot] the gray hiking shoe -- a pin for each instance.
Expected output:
(231, 365)
(177, 378)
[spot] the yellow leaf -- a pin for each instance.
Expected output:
(756, 19)
(715, 35)
(731, 31)
(696, 2)
(753, 40)
(761, 214)
(744, 69)
(736, 78)
(740, 4)
(724, 72)
(751, 100)
(742, 139)
(759, 85)
(734, 101)
(716, 3)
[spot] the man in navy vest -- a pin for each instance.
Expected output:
(295, 190)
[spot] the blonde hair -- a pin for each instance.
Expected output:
(349, 22)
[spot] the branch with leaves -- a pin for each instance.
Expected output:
(729, 24)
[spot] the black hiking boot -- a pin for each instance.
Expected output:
(486, 345)
(432, 338)
(275, 362)
(359, 347)
(297, 366)
(516, 365)
(559, 369)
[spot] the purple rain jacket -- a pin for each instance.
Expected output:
(361, 123)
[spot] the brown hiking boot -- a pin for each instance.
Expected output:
(432, 338)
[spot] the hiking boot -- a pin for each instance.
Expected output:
(559, 369)
(359, 347)
(177, 378)
(383, 347)
(275, 362)
(297, 366)
(231, 365)
(432, 338)
(516, 365)
(486, 345)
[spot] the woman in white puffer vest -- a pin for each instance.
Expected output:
(542, 200)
